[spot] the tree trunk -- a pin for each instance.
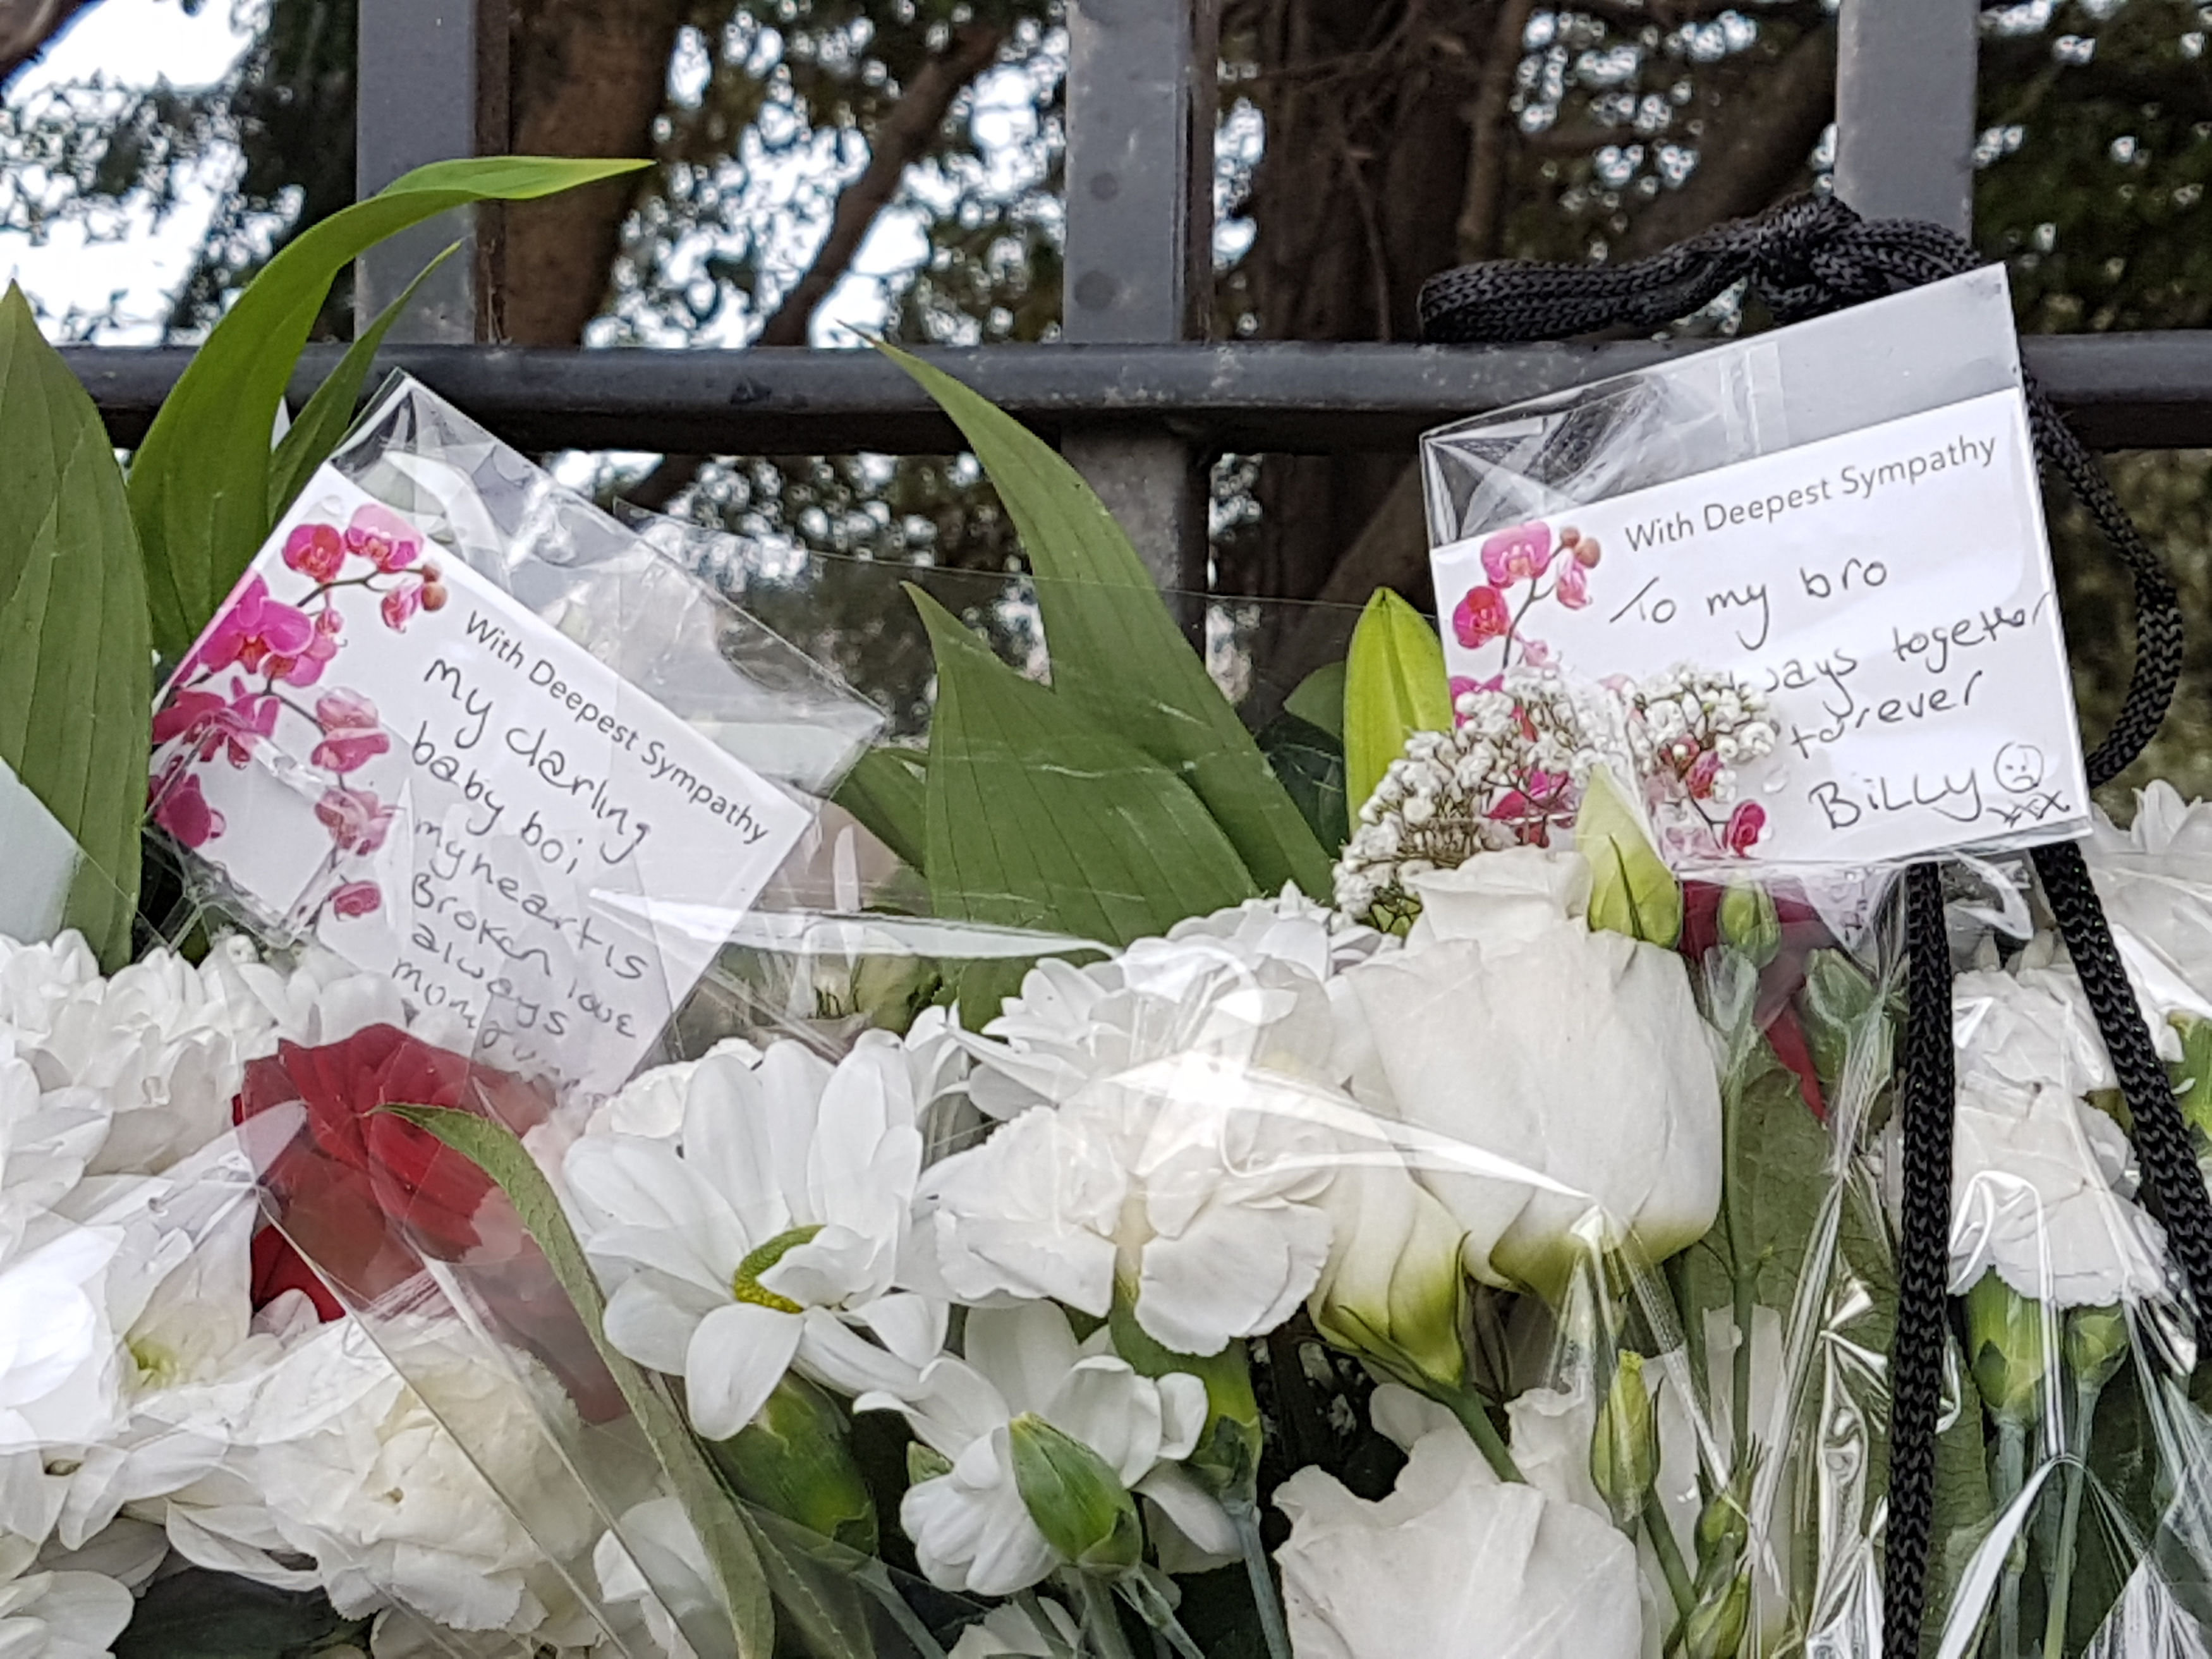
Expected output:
(588, 79)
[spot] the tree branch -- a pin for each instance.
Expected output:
(27, 28)
(900, 140)
(1492, 133)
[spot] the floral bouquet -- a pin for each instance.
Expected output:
(1078, 1192)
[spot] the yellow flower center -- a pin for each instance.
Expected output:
(744, 1284)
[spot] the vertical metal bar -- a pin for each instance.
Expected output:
(423, 71)
(1141, 78)
(1905, 108)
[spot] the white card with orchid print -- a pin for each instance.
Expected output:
(1888, 591)
(374, 746)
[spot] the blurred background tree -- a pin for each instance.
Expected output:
(1364, 144)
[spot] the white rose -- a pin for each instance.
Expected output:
(1562, 1078)
(2156, 880)
(1454, 1563)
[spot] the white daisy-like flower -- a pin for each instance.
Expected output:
(971, 1530)
(770, 1234)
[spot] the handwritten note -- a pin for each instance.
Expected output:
(1889, 589)
(381, 749)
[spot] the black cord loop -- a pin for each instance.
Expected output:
(1809, 255)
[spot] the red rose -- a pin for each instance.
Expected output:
(367, 1196)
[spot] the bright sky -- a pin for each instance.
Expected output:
(124, 44)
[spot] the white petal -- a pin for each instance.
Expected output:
(1236, 1271)
(737, 1356)
(1197, 1516)
(652, 1317)
(1025, 1350)
(727, 1137)
(1112, 1410)
(1184, 1412)
(840, 1358)
(660, 1212)
(912, 1327)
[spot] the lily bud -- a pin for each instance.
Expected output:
(1716, 1626)
(1750, 923)
(1624, 1449)
(2095, 1339)
(2005, 1342)
(795, 1458)
(1723, 1532)
(1076, 1499)
(1631, 889)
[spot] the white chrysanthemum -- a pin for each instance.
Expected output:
(50, 1614)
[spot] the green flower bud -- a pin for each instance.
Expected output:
(1750, 923)
(1226, 1460)
(1625, 1451)
(2005, 1342)
(1716, 1626)
(1076, 1499)
(795, 1458)
(1723, 1531)
(2095, 1339)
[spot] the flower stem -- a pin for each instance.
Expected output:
(1671, 1564)
(878, 1584)
(2061, 1578)
(2012, 1459)
(1152, 1608)
(1747, 1287)
(1244, 1516)
(1100, 1622)
(1474, 1418)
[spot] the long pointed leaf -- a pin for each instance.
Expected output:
(495, 1149)
(1116, 651)
(308, 441)
(199, 486)
(1038, 818)
(75, 674)
(887, 791)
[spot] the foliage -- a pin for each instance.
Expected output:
(75, 682)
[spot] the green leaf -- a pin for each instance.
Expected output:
(76, 668)
(1963, 1505)
(198, 1614)
(308, 441)
(493, 1148)
(1631, 889)
(1038, 818)
(1311, 763)
(887, 791)
(200, 483)
(1117, 653)
(1319, 700)
(1395, 685)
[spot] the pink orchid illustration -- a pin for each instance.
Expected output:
(357, 820)
(356, 898)
(401, 603)
(1519, 555)
(1573, 586)
(384, 538)
(1703, 773)
(255, 629)
(229, 725)
(1744, 826)
(351, 734)
(1480, 616)
(316, 551)
(182, 810)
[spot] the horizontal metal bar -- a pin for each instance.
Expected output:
(2123, 391)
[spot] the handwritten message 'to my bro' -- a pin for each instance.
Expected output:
(1889, 590)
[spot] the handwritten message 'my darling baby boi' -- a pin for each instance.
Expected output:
(1889, 589)
(443, 788)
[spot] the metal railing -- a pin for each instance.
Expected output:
(1134, 395)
